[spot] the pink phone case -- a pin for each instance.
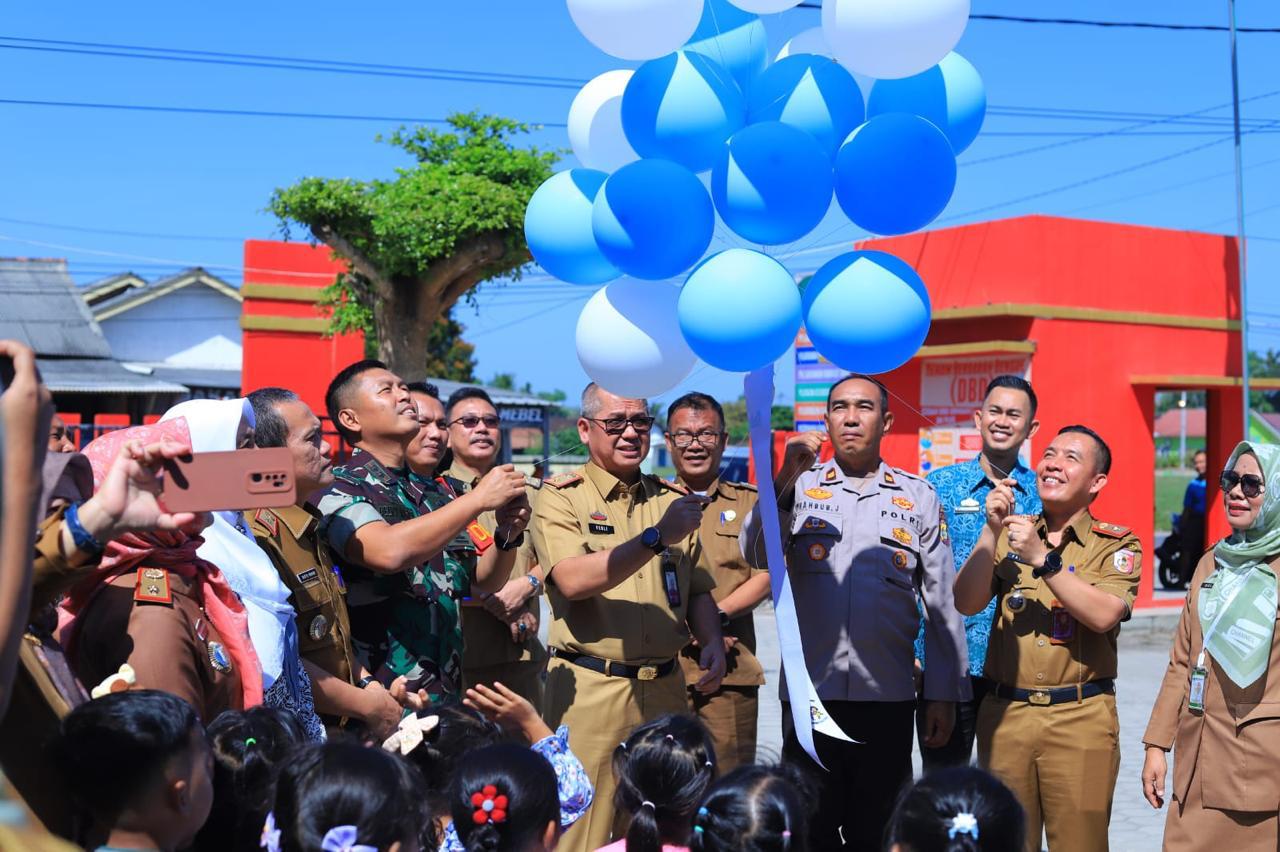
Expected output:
(241, 479)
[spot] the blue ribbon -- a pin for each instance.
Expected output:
(807, 711)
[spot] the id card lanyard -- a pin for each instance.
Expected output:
(1200, 674)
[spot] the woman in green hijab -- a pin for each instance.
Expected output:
(1219, 705)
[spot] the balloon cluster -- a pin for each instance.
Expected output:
(776, 143)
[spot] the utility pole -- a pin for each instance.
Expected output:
(1243, 255)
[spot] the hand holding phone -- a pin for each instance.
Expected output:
(230, 481)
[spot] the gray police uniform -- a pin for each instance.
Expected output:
(860, 554)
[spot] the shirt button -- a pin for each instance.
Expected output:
(1040, 676)
(640, 575)
(1040, 643)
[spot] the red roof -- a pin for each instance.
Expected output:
(1168, 425)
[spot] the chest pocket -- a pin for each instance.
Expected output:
(900, 552)
(813, 539)
(312, 589)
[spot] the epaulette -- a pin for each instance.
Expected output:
(672, 484)
(563, 480)
(1110, 530)
(269, 521)
(152, 587)
(907, 475)
(532, 482)
(743, 486)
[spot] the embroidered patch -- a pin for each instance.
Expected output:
(818, 493)
(153, 589)
(1110, 530)
(903, 503)
(830, 475)
(817, 551)
(480, 536)
(944, 531)
(268, 520)
(311, 575)
(599, 529)
(1123, 561)
(899, 560)
(888, 478)
(902, 535)
(599, 516)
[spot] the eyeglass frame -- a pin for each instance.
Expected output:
(1239, 479)
(626, 421)
(696, 438)
(480, 418)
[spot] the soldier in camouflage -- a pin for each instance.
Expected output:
(409, 551)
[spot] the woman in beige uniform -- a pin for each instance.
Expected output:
(1219, 705)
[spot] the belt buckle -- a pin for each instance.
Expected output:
(647, 673)
(1039, 697)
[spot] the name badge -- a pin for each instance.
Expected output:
(671, 583)
(1195, 696)
(309, 576)
(968, 506)
(599, 529)
(1064, 625)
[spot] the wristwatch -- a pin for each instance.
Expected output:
(534, 582)
(366, 680)
(511, 544)
(652, 539)
(724, 618)
(1052, 565)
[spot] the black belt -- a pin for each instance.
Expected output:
(615, 669)
(1060, 695)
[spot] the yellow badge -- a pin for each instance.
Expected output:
(902, 535)
(818, 493)
(903, 503)
(899, 560)
(830, 475)
(817, 551)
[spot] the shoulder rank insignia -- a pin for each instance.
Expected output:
(831, 475)
(563, 480)
(673, 485)
(480, 536)
(1110, 530)
(153, 587)
(888, 478)
(269, 520)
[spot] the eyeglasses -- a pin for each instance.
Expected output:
(471, 421)
(1250, 484)
(618, 425)
(706, 438)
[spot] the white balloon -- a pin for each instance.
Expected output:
(628, 339)
(595, 123)
(888, 39)
(636, 29)
(806, 41)
(764, 7)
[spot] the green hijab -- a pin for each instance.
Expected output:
(1238, 601)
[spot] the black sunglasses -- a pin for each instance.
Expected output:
(471, 421)
(1251, 485)
(618, 425)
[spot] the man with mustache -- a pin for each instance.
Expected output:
(1063, 582)
(865, 545)
(500, 631)
(391, 532)
(625, 595)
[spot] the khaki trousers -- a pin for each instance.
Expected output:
(729, 715)
(601, 711)
(1060, 761)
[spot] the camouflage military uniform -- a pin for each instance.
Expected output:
(405, 623)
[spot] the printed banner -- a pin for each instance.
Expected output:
(951, 388)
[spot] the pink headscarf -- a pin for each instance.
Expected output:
(172, 551)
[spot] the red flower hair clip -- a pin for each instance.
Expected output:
(490, 807)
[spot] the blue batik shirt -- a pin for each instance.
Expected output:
(962, 491)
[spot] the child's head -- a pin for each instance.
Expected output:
(349, 794)
(505, 800)
(139, 761)
(961, 809)
(663, 770)
(249, 749)
(455, 731)
(754, 809)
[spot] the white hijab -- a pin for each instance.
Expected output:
(228, 542)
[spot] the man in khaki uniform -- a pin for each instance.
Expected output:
(343, 690)
(1063, 582)
(696, 440)
(625, 594)
(499, 631)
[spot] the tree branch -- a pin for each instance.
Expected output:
(359, 262)
(453, 276)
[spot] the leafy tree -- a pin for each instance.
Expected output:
(782, 417)
(503, 381)
(1264, 365)
(417, 244)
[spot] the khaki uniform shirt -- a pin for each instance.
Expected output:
(487, 640)
(316, 589)
(1037, 644)
(635, 622)
(862, 556)
(718, 552)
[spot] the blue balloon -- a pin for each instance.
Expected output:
(739, 310)
(772, 183)
(557, 227)
(895, 174)
(734, 39)
(950, 94)
(681, 107)
(653, 219)
(866, 311)
(812, 93)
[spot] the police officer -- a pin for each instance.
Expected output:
(864, 542)
(500, 631)
(622, 587)
(343, 689)
(696, 440)
(1063, 582)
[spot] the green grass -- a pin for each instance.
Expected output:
(1170, 486)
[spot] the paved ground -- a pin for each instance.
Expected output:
(1144, 653)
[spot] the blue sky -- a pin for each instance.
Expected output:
(192, 187)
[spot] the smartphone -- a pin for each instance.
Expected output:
(241, 479)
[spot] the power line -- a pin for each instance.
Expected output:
(116, 233)
(1082, 22)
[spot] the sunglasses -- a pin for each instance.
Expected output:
(618, 425)
(471, 421)
(1250, 484)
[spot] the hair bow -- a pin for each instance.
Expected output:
(963, 824)
(270, 834)
(342, 838)
(489, 805)
(409, 735)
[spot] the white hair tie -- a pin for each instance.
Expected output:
(963, 824)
